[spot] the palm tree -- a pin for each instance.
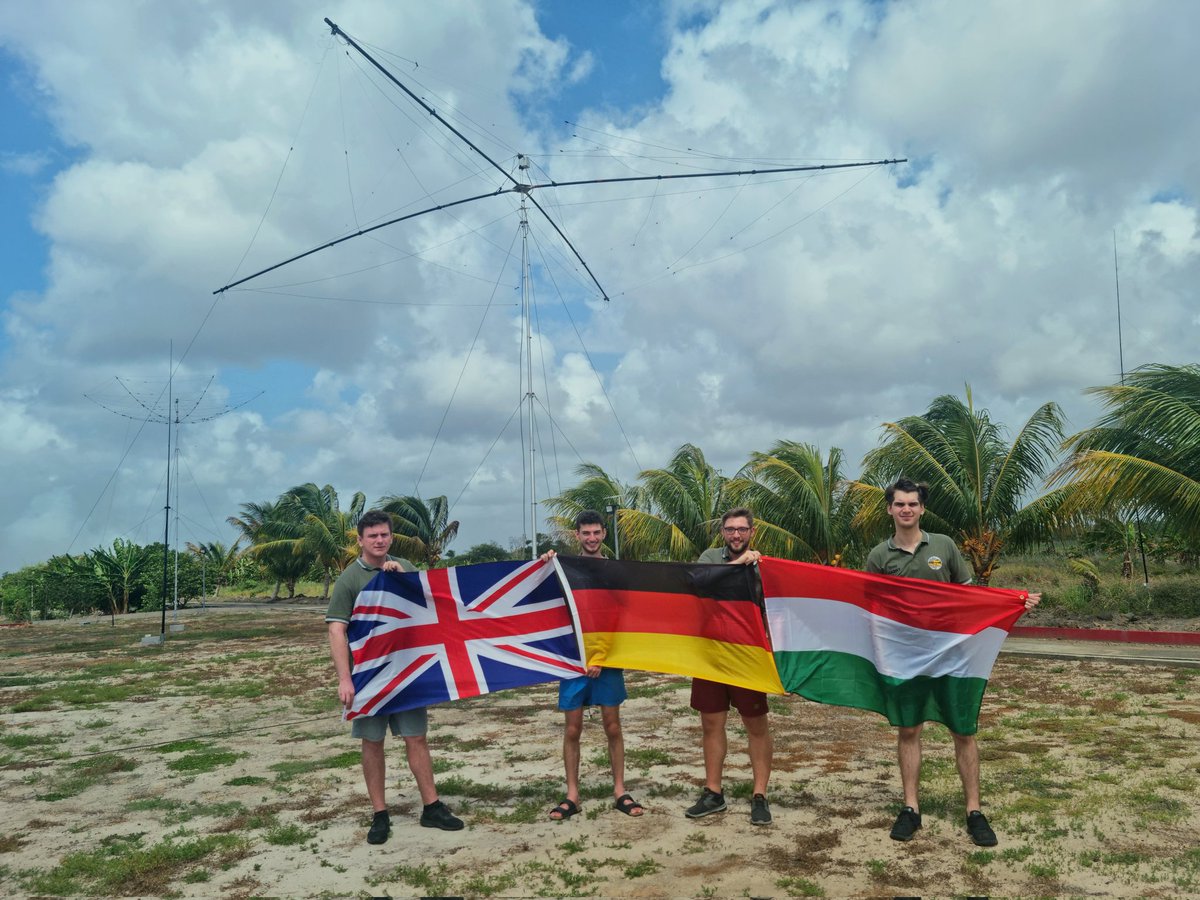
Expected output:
(977, 480)
(318, 529)
(681, 511)
(262, 524)
(1144, 454)
(220, 558)
(120, 570)
(422, 528)
(801, 509)
(597, 491)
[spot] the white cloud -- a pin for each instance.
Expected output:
(220, 140)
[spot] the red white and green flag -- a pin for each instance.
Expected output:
(912, 650)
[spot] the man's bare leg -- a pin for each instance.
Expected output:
(421, 766)
(908, 752)
(712, 726)
(966, 756)
(373, 767)
(761, 750)
(572, 731)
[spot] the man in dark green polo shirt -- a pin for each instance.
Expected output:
(374, 541)
(913, 553)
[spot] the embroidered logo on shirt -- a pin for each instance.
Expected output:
(935, 563)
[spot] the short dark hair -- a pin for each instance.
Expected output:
(739, 512)
(371, 518)
(589, 517)
(909, 487)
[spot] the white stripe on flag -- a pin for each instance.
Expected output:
(800, 624)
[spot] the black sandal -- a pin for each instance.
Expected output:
(627, 805)
(565, 809)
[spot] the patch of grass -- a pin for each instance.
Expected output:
(206, 761)
(96, 723)
(181, 746)
(696, 842)
(644, 758)
(573, 846)
(433, 882)
(1016, 854)
(84, 773)
(121, 866)
(21, 741)
(290, 768)
(1151, 805)
(799, 887)
(243, 780)
(447, 742)
(981, 857)
(644, 866)
(288, 835)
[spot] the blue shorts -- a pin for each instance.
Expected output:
(410, 723)
(606, 689)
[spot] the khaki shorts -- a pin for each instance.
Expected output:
(410, 723)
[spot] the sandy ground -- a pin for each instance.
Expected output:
(1090, 778)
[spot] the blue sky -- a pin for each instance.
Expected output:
(149, 152)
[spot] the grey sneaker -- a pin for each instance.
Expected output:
(760, 812)
(437, 815)
(906, 825)
(979, 829)
(709, 802)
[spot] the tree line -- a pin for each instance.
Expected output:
(1139, 464)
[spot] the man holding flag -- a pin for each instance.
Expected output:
(913, 553)
(374, 541)
(601, 686)
(712, 699)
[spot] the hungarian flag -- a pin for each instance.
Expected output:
(419, 638)
(678, 618)
(913, 650)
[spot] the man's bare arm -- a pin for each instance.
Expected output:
(339, 649)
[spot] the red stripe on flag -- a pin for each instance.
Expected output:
(653, 612)
(391, 685)
(382, 612)
(928, 605)
(495, 595)
(538, 657)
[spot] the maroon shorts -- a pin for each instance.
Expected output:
(714, 697)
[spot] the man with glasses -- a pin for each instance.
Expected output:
(913, 553)
(712, 699)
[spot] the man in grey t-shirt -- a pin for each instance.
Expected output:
(374, 541)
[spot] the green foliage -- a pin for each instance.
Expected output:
(978, 481)
(1144, 454)
(421, 528)
(801, 507)
(478, 553)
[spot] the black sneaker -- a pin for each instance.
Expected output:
(709, 802)
(437, 815)
(906, 825)
(381, 827)
(979, 829)
(760, 812)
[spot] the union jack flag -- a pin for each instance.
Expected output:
(420, 638)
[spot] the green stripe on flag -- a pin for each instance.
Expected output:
(843, 679)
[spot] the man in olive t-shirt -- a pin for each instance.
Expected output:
(913, 553)
(374, 541)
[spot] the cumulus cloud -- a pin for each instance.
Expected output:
(220, 140)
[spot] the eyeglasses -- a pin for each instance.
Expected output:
(739, 529)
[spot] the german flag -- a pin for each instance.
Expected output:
(704, 621)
